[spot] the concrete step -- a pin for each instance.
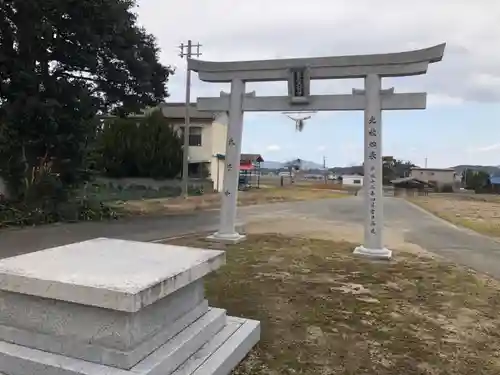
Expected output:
(99, 354)
(20, 360)
(225, 350)
(177, 350)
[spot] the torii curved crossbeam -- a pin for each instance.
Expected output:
(351, 66)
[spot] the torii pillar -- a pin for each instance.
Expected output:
(373, 169)
(227, 231)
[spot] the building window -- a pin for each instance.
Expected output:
(194, 135)
(199, 170)
(357, 181)
(432, 173)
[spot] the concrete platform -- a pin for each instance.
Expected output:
(141, 273)
(113, 307)
(76, 348)
(218, 356)
(96, 326)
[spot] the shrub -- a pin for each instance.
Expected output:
(45, 200)
(148, 148)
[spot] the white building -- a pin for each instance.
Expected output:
(437, 176)
(352, 180)
(207, 140)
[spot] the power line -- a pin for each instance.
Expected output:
(187, 52)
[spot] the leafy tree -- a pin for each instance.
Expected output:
(476, 180)
(293, 165)
(395, 168)
(61, 63)
(147, 147)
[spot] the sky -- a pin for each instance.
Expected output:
(460, 125)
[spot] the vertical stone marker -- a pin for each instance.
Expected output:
(373, 176)
(116, 307)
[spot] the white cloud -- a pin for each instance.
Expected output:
(271, 148)
(492, 147)
(486, 79)
(443, 100)
(321, 148)
(470, 70)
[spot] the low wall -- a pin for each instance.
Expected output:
(388, 191)
(145, 183)
(400, 192)
(149, 183)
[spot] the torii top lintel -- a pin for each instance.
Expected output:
(353, 66)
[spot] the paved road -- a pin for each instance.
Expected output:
(18, 241)
(419, 227)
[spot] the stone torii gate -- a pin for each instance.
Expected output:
(299, 72)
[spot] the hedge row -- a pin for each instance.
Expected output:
(147, 147)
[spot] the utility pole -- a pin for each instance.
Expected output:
(187, 53)
(325, 171)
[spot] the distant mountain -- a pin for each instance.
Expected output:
(356, 169)
(314, 167)
(271, 165)
(490, 169)
(305, 165)
(308, 165)
(459, 169)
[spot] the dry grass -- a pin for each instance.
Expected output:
(212, 201)
(331, 186)
(477, 212)
(275, 181)
(324, 311)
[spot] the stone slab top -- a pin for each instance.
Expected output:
(108, 273)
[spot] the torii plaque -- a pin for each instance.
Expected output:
(298, 72)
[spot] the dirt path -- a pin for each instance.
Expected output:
(407, 227)
(329, 230)
(24, 240)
